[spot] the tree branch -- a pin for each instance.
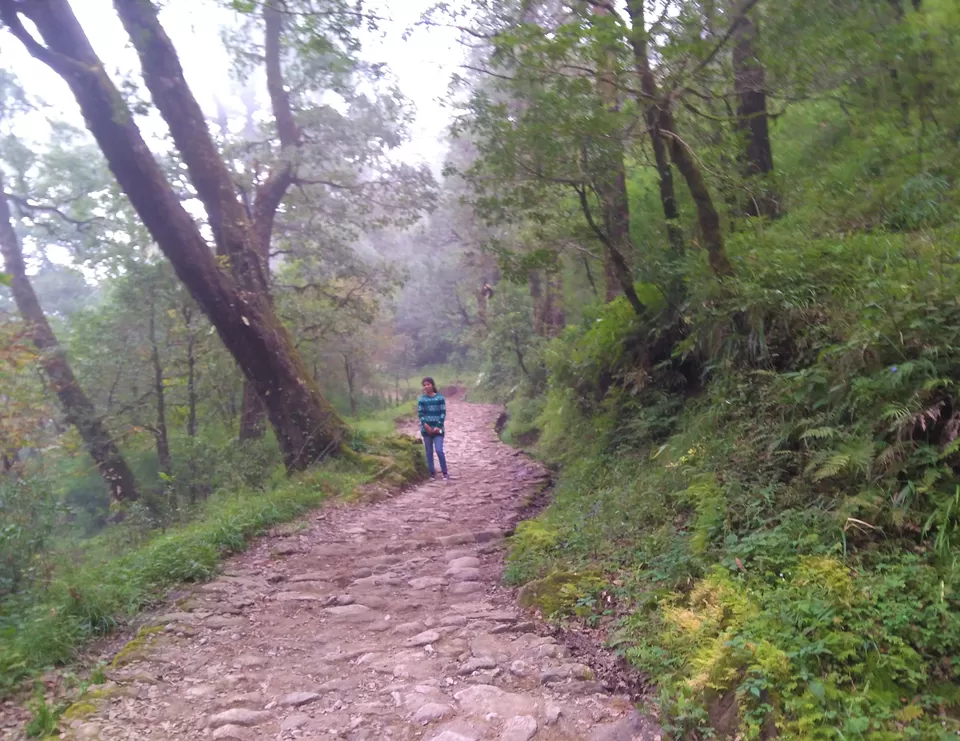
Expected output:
(25, 205)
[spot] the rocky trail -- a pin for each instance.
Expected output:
(375, 621)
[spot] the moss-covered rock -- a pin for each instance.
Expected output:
(562, 593)
(136, 649)
(79, 710)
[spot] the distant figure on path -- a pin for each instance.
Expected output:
(432, 410)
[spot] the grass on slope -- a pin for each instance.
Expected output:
(769, 517)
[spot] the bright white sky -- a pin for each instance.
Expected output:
(422, 64)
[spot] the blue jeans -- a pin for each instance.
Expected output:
(431, 443)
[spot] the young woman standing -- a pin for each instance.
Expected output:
(432, 410)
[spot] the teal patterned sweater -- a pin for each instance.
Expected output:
(432, 411)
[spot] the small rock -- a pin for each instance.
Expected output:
(409, 628)
(453, 736)
(579, 671)
(353, 614)
(485, 536)
(482, 699)
(453, 620)
(552, 674)
(459, 539)
(519, 728)
(422, 639)
(552, 651)
(88, 732)
(466, 587)
(239, 717)
(319, 576)
(238, 701)
(520, 668)
(219, 622)
(201, 691)
(633, 727)
(298, 597)
(464, 574)
(296, 699)
(233, 733)
(427, 582)
(294, 722)
(250, 661)
(465, 562)
(173, 617)
(430, 712)
(552, 714)
(474, 665)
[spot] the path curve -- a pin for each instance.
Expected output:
(380, 621)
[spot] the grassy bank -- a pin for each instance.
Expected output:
(99, 587)
(773, 505)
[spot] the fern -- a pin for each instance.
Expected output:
(820, 433)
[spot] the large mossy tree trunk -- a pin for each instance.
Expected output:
(236, 302)
(271, 192)
(77, 407)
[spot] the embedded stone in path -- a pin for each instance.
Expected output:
(483, 699)
(233, 733)
(296, 699)
(298, 597)
(453, 736)
(474, 665)
(519, 728)
(471, 562)
(464, 574)
(430, 712)
(466, 587)
(633, 727)
(294, 722)
(422, 639)
(239, 717)
(352, 614)
(426, 582)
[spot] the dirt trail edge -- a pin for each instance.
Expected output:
(380, 621)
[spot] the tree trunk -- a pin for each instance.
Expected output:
(611, 187)
(191, 373)
(77, 408)
(271, 192)
(614, 260)
(612, 190)
(554, 317)
(749, 83)
(194, 487)
(649, 103)
(307, 427)
(349, 371)
(535, 280)
(707, 217)
(160, 428)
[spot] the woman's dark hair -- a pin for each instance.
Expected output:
(429, 380)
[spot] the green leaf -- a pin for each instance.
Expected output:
(6, 279)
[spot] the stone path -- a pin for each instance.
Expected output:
(381, 621)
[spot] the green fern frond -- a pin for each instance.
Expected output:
(820, 433)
